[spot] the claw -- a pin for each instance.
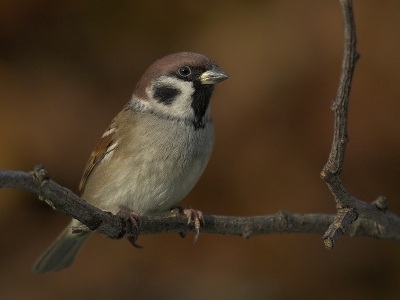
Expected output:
(136, 222)
(192, 214)
(132, 239)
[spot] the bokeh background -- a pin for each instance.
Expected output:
(68, 67)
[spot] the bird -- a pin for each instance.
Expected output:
(152, 154)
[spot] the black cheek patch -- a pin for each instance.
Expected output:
(165, 94)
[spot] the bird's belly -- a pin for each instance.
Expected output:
(155, 181)
(159, 185)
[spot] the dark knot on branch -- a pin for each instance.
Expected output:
(40, 174)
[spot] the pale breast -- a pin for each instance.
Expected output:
(163, 162)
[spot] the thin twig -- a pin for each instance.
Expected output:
(347, 212)
(333, 167)
(349, 208)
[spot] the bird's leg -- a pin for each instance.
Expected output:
(192, 214)
(136, 222)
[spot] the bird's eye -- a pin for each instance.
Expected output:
(184, 71)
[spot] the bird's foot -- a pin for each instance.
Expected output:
(192, 214)
(136, 222)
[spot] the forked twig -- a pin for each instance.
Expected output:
(349, 208)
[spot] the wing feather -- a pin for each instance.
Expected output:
(107, 145)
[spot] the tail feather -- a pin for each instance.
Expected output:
(61, 254)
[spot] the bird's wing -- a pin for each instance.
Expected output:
(108, 143)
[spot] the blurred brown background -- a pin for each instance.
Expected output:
(68, 67)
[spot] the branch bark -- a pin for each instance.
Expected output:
(349, 208)
(60, 198)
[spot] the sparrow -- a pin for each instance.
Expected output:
(152, 154)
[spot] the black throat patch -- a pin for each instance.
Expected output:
(201, 100)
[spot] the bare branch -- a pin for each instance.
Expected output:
(349, 208)
(115, 227)
(64, 200)
(333, 167)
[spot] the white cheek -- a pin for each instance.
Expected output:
(181, 106)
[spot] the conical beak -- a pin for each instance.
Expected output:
(213, 76)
